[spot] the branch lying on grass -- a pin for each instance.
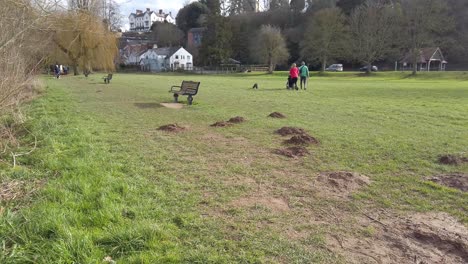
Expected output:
(15, 155)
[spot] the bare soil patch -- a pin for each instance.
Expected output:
(146, 105)
(172, 105)
(274, 204)
(236, 120)
(221, 124)
(342, 183)
(419, 238)
(277, 115)
(171, 128)
(303, 139)
(16, 189)
(455, 180)
(292, 152)
(287, 131)
(452, 159)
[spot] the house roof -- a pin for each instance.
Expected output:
(168, 52)
(231, 61)
(425, 55)
(163, 15)
(136, 49)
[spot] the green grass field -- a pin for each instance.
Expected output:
(111, 184)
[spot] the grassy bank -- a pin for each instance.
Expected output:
(110, 184)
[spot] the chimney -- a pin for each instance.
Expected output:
(147, 9)
(160, 11)
(170, 14)
(139, 12)
(155, 46)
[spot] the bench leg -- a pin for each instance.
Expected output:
(190, 99)
(176, 98)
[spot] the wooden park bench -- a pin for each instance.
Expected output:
(107, 78)
(188, 88)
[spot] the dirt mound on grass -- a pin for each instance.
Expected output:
(303, 139)
(171, 128)
(455, 180)
(344, 181)
(236, 120)
(221, 124)
(292, 152)
(452, 159)
(286, 131)
(277, 115)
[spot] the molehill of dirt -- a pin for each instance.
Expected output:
(292, 152)
(452, 159)
(277, 115)
(455, 180)
(171, 128)
(236, 120)
(221, 124)
(287, 131)
(303, 139)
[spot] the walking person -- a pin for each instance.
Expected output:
(304, 73)
(57, 71)
(294, 74)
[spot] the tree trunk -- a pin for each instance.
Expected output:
(324, 65)
(415, 62)
(270, 65)
(75, 69)
(369, 68)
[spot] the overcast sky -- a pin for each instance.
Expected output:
(128, 6)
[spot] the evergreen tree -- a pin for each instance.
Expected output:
(216, 43)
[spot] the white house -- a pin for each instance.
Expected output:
(142, 21)
(180, 59)
(166, 59)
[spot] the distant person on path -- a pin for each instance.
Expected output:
(57, 71)
(304, 72)
(294, 74)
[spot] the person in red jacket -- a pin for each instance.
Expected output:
(293, 74)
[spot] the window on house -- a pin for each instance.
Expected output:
(177, 57)
(188, 57)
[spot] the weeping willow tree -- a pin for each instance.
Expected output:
(84, 42)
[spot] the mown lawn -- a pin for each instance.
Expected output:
(113, 185)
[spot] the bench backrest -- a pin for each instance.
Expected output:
(189, 87)
(109, 76)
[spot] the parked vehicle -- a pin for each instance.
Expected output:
(335, 68)
(364, 69)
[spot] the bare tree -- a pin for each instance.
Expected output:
(23, 52)
(421, 22)
(324, 36)
(111, 15)
(269, 47)
(372, 31)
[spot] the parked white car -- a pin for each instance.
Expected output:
(335, 68)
